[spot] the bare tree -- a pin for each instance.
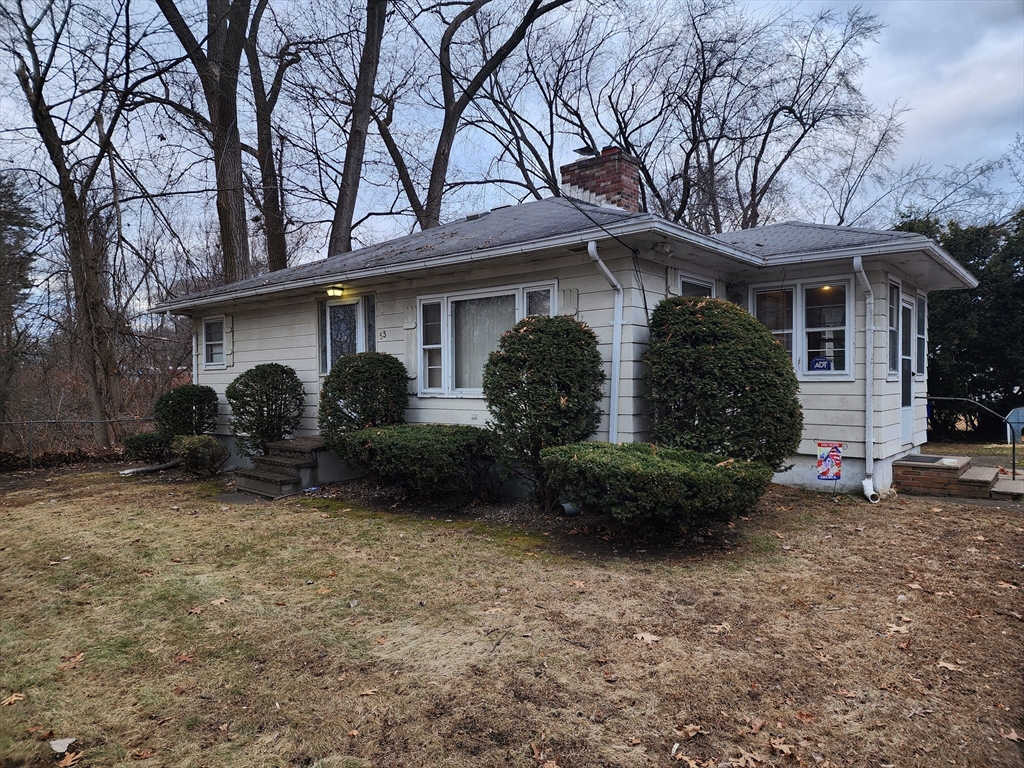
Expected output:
(218, 66)
(362, 109)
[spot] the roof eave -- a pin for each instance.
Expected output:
(937, 254)
(625, 229)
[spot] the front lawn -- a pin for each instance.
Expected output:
(159, 626)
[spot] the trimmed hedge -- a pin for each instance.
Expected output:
(368, 389)
(719, 382)
(190, 409)
(266, 405)
(148, 447)
(641, 484)
(200, 454)
(428, 459)
(543, 386)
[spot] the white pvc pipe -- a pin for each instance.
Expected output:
(613, 394)
(869, 382)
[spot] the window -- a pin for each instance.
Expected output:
(775, 310)
(922, 342)
(825, 327)
(695, 287)
(459, 331)
(812, 322)
(894, 328)
(346, 327)
(213, 343)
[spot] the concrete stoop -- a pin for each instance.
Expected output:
(930, 475)
(288, 467)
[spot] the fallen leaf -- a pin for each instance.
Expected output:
(353, 733)
(947, 665)
(720, 629)
(804, 717)
(1012, 735)
(690, 730)
(71, 661)
(381, 640)
(777, 743)
(746, 759)
(12, 699)
(494, 610)
(143, 754)
(848, 694)
(756, 725)
(580, 585)
(646, 638)
(183, 658)
(178, 690)
(915, 585)
(634, 742)
(219, 601)
(894, 630)
(368, 692)
(61, 745)
(324, 591)
(1007, 585)
(195, 610)
(70, 759)
(222, 727)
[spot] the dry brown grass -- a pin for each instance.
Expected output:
(229, 635)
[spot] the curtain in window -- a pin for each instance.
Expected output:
(478, 324)
(343, 330)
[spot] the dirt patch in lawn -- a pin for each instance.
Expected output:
(159, 626)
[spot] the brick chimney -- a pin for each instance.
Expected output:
(613, 177)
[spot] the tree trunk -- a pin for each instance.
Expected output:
(344, 212)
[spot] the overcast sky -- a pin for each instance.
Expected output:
(958, 64)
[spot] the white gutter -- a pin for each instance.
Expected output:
(613, 394)
(869, 382)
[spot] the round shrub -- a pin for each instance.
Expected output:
(266, 405)
(543, 385)
(190, 409)
(639, 484)
(719, 382)
(368, 389)
(428, 459)
(149, 447)
(200, 454)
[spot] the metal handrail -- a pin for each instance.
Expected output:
(1013, 443)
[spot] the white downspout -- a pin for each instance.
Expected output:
(613, 394)
(869, 381)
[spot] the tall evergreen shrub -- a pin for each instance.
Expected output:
(190, 409)
(719, 382)
(266, 405)
(543, 385)
(368, 389)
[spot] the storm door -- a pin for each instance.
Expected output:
(907, 372)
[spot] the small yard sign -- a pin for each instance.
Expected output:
(830, 461)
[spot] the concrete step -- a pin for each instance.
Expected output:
(979, 476)
(283, 464)
(269, 484)
(296, 446)
(1008, 489)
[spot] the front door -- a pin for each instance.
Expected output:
(907, 372)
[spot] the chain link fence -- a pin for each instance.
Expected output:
(37, 437)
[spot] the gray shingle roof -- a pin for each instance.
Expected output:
(516, 224)
(793, 237)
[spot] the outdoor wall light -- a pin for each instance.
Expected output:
(336, 291)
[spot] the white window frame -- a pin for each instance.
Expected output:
(207, 366)
(921, 338)
(799, 356)
(447, 300)
(893, 331)
(707, 282)
(361, 338)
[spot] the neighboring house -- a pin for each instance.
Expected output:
(439, 300)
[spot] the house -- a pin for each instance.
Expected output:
(849, 304)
